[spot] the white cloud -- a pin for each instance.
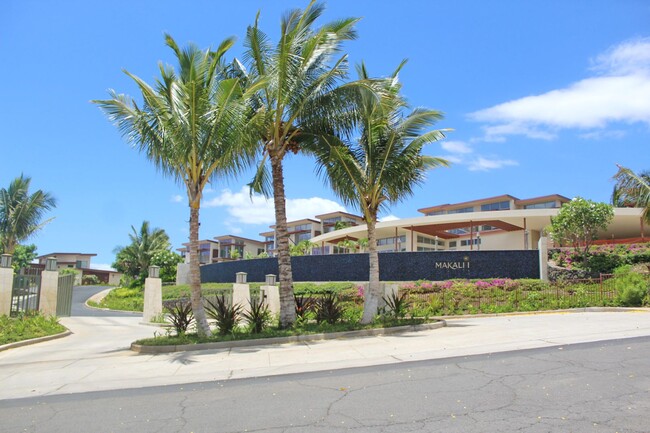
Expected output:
(464, 154)
(456, 147)
(177, 198)
(485, 164)
(603, 135)
(390, 217)
(247, 209)
(621, 93)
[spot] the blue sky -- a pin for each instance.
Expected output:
(544, 97)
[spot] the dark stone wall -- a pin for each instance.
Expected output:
(403, 266)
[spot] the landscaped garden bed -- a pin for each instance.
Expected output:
(27, 327)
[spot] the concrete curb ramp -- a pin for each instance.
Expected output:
(283, 340)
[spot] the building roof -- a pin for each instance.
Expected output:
(337, 213)
(543, 198)
(223, 237)
(67, 254)
(452, 206)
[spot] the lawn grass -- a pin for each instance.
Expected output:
(26, 327)
(272, 332)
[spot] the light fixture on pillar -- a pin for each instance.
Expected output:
(50, 264)
(270, 279)
(5, 261)
(154, 271)
(240, 277)
(525, 239)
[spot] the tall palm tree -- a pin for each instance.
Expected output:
(136, 257)
(192, 126)
(632, 190)
(383, 165)
(303, 96)
(21, 212)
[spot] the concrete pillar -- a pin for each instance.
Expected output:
(271, 293)
(241, 291)
(183, 273)
(542, 246)
(152, 295)
(49, 291)
(6, 284)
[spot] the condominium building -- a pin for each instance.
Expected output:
(224, 248)
(503, 222)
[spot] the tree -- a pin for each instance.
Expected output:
(349, 245)
(383, 165)
(578, 223)
(302, 98)
(21, 212)
(302, 248)
(134, 259)
(632, 190)
(168, 261)
(23, 255)
(192, 126)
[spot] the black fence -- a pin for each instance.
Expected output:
(434, 266)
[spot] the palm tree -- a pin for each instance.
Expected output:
(21, 212)
(192, 126)
(632, 190)
(302, 97)
(135, 258)
(383, 165)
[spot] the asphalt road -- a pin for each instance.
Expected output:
(590, 387)
(80, 295)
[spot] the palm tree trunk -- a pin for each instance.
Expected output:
(202, 326)
(373, 294)
(285, 277)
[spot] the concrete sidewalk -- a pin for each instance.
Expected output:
(96, 357)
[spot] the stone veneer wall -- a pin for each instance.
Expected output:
(405, 266)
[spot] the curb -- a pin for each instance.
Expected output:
(282, 340)
(35, 340)
(566, 310)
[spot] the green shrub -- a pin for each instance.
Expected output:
(396, 304)
(224, 313)
(90, 280)
(180, 314)
(328, 309)
(258, 316)
(603, 263)
(632, 288)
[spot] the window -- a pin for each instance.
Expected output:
(303, 237)
(429, 241)
(434, 213)
(462, 231)
(502, 205)
(391, 240)
(544, 205)
(452, 244)
(302, 227)
(426, 249)
(466, 242)
(461, 210)
(486, 228)
(81, 264)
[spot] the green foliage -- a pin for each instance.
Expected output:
(328, 309)
(304, 305)
(23, 255)
(317, 289)
(234, 254)
(28, 326)
(632, 288)
(90, 280)
(302, 248)
(258, 316)
(21, 212)
(263, 255)
(224, 313)
(180, 314)
(124, 298)
(168, 261)
(396, 304)
(134, 259)
(69, 271)
(632, 190)
(578, 222)
(603, 258)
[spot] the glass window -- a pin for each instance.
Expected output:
(438, 212)
(502, 205)
(544, 205)
(303, 237)
(462, 210)
(453, 244)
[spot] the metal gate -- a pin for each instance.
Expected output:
(26, 292)
(64, 295)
